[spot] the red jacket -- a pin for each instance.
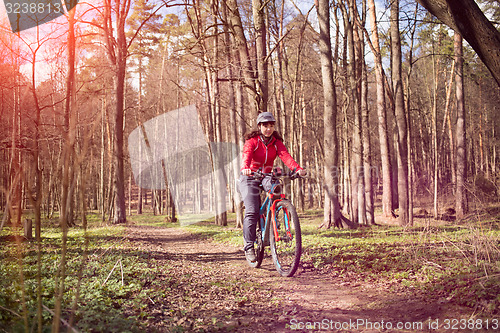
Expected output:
(257, 155)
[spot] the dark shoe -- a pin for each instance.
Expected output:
(250, 255)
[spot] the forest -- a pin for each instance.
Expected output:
(75, 89)
(120, 108)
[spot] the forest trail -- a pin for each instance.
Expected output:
(308, 297)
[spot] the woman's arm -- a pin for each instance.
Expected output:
(285, 156)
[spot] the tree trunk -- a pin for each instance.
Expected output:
(102, 194)
(435, 68)
(461, 173)
(411, 169)
(387, 208)
(400, 113)
(357, 59)
(120, 214)
(220, 172)
(235, 138)
(357, 182)
(117, 55)
(332, 216)
(259, 10)
(240, 120)
(367, 148)
(240, 40)
(68, 154)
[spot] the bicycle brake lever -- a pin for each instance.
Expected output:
(257, 175)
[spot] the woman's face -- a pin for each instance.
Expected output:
(267, 129)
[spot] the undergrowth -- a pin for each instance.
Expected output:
(459, 264)
(123, 287)
(449, 263)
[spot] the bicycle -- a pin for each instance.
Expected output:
(278, 213)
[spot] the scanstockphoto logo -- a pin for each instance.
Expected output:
(26, 14)
(170, 151)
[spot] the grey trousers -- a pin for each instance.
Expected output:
(250, 192)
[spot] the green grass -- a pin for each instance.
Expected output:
(121, 289)
(103, 252)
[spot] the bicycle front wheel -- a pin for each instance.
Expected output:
(285, 239)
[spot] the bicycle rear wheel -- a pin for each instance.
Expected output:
(259, 251)
(286, 241)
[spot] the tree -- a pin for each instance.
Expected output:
(461, 198)
(236, 137)
(146, 41)
(68, 166)
(259, 10)
(387, 208)
(332, 213)
(236, 27)
(365, 127)
(466, 18)
(400, 113)
(117, 48)
(354, 70)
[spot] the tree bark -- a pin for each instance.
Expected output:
(120, 214)
(435, 74)
(461, 173)
(387, 208)
(235, 137)
(219, 167)
(117, 49)
(466, 18)
(332, 216)
(358, 208)
(400, 113)
(358, 61)
(365, 129)
(258, 8)
(240, 40)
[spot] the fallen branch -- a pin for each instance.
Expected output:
(62, 320)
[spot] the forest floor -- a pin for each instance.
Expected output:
(313, 300)
(154, 276)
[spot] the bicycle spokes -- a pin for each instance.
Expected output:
(286, 243)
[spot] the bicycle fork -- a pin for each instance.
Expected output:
(275, 222)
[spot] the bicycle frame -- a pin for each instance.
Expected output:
(268, 210)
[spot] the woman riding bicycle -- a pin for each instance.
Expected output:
(259, 152)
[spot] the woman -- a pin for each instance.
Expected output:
(259, 152)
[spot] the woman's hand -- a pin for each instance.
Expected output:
(302, 173)
(246, 172)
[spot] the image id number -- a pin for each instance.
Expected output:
(471, 324)
(33, 8)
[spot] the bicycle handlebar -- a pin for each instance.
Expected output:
(291, 174)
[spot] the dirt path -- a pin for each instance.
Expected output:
(299, 302)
